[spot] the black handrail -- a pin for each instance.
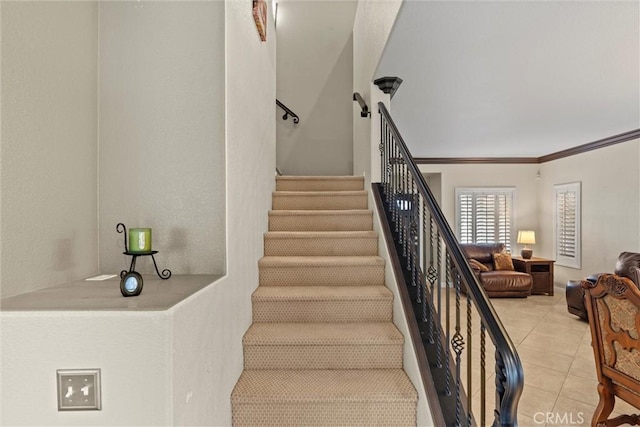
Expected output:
(411, 208)
(288, 112)
(363, 105)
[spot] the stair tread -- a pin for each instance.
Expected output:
(320, 261)
(320, 193)
(321, 293)
(357, 385)
(320, 212)
(319, 178)
(320, 234)
(322, 334)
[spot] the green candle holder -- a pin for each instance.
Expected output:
(139, 245)
(139, 240)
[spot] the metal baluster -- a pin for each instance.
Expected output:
(501, 381)
(400, 205)
(457, 344)
(447, 322)
(395, 177)
(412, 234)
(439, 291)
(483, 375)
(389, 142)
(426, 270)
(469, 359)
(432, 275)
(415, 245)
(381, 148)
(389, 161)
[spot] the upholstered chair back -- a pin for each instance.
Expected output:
(613, 307)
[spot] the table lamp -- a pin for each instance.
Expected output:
(526, 237)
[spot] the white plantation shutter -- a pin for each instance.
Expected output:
(484, 215)
(567, 224)
(465, 210)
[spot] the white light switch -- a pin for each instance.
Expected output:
(79, 389)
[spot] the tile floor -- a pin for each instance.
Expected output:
(555, 350)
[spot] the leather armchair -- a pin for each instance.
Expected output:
(627, 265)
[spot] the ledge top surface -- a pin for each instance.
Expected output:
(104, 295)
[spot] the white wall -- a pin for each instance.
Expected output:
(185, 360)
(208, 329)
(610, 206)
(520, 176)
(48, 173)
(161, 132)
(314, 79)
(157, 109)
(371, 29)
(133, 351)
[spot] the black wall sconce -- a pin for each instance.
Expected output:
(388, 84)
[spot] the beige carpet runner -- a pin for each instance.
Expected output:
(322, 349)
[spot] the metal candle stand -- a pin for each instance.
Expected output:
(165, 274)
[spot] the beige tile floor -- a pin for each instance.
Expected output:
(555, 349)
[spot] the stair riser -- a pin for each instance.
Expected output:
(314, 202)
(322, 276)
(294, 222)
(290, 184)
(323, 357)
(349, 311)
(368, 413)
(321, 246)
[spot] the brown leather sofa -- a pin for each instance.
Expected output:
(496, 283)
(627, 265)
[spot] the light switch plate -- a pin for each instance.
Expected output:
(79, 389)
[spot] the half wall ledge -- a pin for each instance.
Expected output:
(83, 295)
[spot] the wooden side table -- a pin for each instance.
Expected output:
(541, 271)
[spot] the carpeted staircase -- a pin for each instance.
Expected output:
(322, 349)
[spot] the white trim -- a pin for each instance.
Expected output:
(563, 259)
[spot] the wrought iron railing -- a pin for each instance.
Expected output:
(448, 311)
(363, 105)
(287, 112)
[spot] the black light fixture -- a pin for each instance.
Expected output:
(388, 85)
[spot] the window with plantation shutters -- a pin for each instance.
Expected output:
(567, 224)
(484, 215)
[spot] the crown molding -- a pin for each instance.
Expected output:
(474, 160)
(601, 143)
(595, 145)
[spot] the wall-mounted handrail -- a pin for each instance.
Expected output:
(363, 105)
(442, 291)
(288, 112)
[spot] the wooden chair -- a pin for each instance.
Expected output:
(613, 307)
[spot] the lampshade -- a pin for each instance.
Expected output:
(527, 237)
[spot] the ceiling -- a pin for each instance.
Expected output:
(513, 78)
